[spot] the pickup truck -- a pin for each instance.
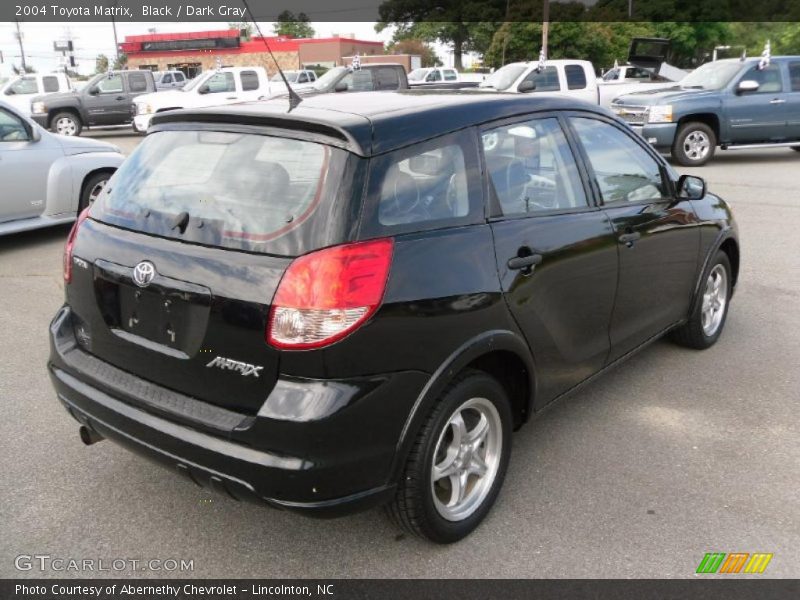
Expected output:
(105, 100)
(573, 78)
(732, 103)
(212, 88)
(18, 91)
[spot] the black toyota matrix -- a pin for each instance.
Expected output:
(355, 302)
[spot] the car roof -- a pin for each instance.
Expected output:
(370, 123)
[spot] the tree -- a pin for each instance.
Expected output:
(464, 25)
(121, 62)
(416, 47)
(101, 64)
(298, 26)
(244, 27)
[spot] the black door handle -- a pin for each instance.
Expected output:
(524, 263)
(120, 97)
(629, 237)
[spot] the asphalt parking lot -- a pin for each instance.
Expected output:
(672, 455)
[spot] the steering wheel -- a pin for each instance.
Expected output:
(401, 201)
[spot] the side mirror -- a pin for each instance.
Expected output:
(94, 90)
(36, 135)
(526, 86)
(203, 89)
(691, 187)
(340, 87)
(748, 85)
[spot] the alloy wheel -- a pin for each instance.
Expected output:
(65, 126)
(715, 299)
(466, 459)
(697, 145)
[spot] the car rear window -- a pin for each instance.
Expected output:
(247, 192)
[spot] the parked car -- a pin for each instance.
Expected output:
(19, 91)
(212, 88)
(356, 301)
(432, 75)
(105, 100)
(369, 77)
(169, 80)
(297, 79)
(47, 179)
(730, 103)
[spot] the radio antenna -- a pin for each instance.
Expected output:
(294, 98)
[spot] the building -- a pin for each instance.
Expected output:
(195, 52)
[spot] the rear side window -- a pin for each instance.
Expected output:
(179, 77)
(576, 77)
(167, 78)
(50, 84)
(546, 80)
(450, 75)
(241, 191)
(137, 82)
(387, 79)
(430, 185)
(794, 76)
(249, 81)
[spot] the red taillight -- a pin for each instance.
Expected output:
(327, 294)
(70, 245)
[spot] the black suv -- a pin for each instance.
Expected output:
(355, 302)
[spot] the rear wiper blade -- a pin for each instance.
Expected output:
(180, 221)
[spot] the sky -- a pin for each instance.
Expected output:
(91, 39)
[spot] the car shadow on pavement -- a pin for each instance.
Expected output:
(26, 239)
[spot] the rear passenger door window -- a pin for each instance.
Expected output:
(137, 82)
(531, 169)
(387, 79)
(50, 84)
(794, 76)
(430, 185)
(624, 171)
(249, 81)
(576, 77)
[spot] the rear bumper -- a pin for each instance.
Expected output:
(321, 467)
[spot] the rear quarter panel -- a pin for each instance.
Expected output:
(66, 176)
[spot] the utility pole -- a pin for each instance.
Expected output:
(630, 9)
(545, 27)
(116, 43)
(21, 49)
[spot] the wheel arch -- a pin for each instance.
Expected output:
(726, 242)
(502, 354)
(51, 114)
(710, 119)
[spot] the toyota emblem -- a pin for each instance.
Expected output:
(143, 273)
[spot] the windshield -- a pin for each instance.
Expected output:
(234, 190)
(711, 76)
(200, 79)
(291, 76)
(329, 78)
(418, 74)
(503, 77)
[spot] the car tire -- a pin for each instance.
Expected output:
(694, 144)
(466, 432)
(66, 123)
(91, 188)
(707, 320)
